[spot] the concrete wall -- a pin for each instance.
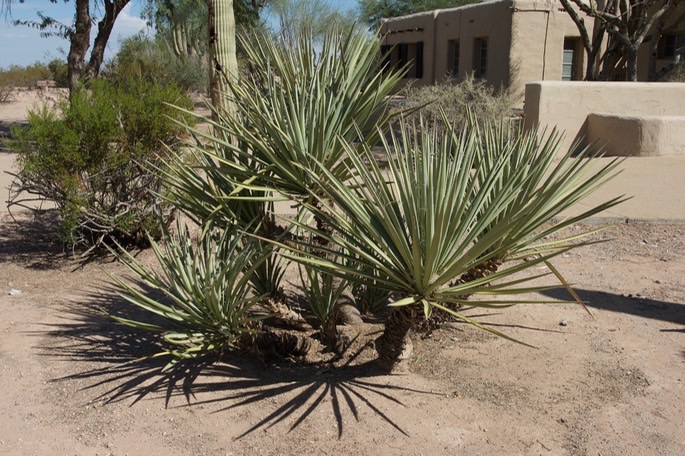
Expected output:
(567, 106)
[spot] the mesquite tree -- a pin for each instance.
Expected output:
(79, 34)
(626, 24)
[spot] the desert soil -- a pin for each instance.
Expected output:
(610, 383)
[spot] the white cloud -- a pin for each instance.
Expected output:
(127, 24)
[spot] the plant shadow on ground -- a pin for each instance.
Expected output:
(5, 134)
(124, 374)
(671, 312)
(32, 239)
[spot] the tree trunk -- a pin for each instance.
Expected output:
(222, 52)
(105, 26)
(392, 346)
(79, 42)
(610, 62)
(631, 58)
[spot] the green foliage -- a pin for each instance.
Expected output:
(456, 99)
(315, 16)
(142, 58)
(202, 291)
(58, 72)
(24, 76)
(373, 11)
(321, 291)
(90, 156)
(304, 103)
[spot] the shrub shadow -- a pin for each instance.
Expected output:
(672, 312)
(130, 373)
(6, 135)
(32, 239)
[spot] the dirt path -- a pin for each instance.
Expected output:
(611, 384)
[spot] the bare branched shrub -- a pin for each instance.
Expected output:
(6, 88)
(486, 103)
(6, 92)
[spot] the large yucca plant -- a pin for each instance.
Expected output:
(301, 103)
(444, 207)
(298, 107)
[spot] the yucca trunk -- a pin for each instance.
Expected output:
(222, 51)
(393, 345)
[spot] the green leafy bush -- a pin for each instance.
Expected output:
(58, 71)
(92, 158)
(24, 76)
(142, 58)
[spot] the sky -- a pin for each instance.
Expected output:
(20, 45)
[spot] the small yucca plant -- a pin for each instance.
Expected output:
(201, 294)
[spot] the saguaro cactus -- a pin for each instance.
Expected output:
(222, 52)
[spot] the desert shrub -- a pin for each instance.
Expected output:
(454, 99)
(92, 158)
(6, 91)
(677, 74)
(25, 76)
(58, 72)
(205, 285)
(143, 58)
(437, 232)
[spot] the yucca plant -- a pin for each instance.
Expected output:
(433, 216)
(322, 292)
(371, 299)
(302, 103)
(201, 295)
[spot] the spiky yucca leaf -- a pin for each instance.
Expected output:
(205, 288)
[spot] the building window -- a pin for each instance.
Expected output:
(418, 61)
(671, 44)
(403, 51)
(480, 58)
(453, 58)
(411, 55)
(569, 66)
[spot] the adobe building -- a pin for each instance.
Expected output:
(505, 42)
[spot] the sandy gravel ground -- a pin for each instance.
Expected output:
(607, 384)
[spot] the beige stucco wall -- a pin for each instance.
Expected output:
(410, 29)
(539, 29)
(637, 136)
(525, 40)
(466, 24)
(567, 105)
